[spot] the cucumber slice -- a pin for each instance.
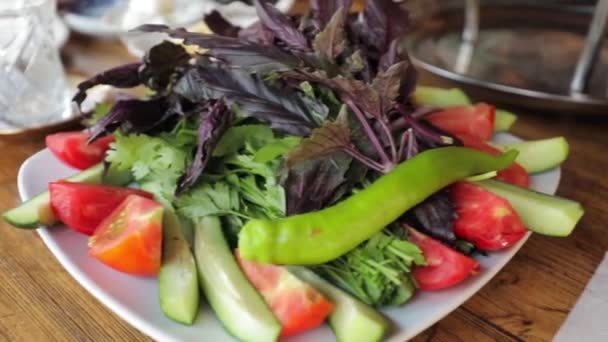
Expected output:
(540, 155)
(37, 210)
(504, 120)
(177, 279)
(351, 320)
(540, 213)
(440, 97)
(235, 301)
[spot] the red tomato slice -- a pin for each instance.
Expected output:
(485, 219)
(72, 148)
(129, 239)
(298, 306)
(83, 206)
(514, 174)
(445, 266)
(476, 121)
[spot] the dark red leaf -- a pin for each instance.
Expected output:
(212, 127)
(251, 56)
(131, 116)
(281, 25)
(283, 108)
(220, 26)
(124, 76)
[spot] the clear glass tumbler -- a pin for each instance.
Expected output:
(33, 88)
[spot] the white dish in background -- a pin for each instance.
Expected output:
(112, 23)
(136, 300)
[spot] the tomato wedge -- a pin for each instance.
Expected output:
(129, 239)
(445, 266)
(82, 206)
(485, 219)
(298, 306)
(514, 174)
(72, 148)
(476, 120)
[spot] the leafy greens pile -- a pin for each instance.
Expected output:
(286, 116)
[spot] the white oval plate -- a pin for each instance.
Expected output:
(136, 299)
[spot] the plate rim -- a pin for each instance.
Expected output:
(158, 334)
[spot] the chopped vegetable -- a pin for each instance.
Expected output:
(540, 155)
(514, 174)
(83, 207)
(235, 301)
(476, 121)
(541, 213)
(73, 148)
(444, 267)
(485, 219)
(129, 239)
(178, 278)
(297, 305)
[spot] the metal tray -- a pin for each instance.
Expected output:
(533, 56)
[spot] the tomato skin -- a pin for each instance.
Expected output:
(298, 306)
(445, 266)
(72, 148)
(485, 219)
(477, 120)
(514, 174)
(82, 206)
(129, 239)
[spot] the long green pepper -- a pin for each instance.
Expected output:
(320, 236)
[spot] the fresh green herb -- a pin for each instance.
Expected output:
(376, 272)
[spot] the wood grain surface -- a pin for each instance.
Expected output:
(527, 301)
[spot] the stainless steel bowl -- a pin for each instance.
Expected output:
(547, 55)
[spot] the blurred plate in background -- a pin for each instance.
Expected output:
(525, 55)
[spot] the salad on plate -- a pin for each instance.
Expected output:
(294, 172)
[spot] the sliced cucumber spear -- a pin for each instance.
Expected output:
(37, 211)
(235, 301)
(351, 320)
(540, 155)
(177, 279)
(540, 213)
(504, 120)
(442, 97)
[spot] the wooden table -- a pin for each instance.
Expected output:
(528, 300)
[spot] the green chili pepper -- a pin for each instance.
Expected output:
(320, 236)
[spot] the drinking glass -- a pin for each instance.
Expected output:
(33, 88)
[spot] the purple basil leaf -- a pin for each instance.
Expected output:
(281, 25)
(390, 57)
(436, 217)
(160, 63)
(323, 10)
(325, 140)
(257, 33)
(331, 41)
(220, 26)
(283, 108)
(312, 185)
(124, 76)
(387, 84)
(381, 22)
(212, 127)
(239, 53)
(131, 116)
